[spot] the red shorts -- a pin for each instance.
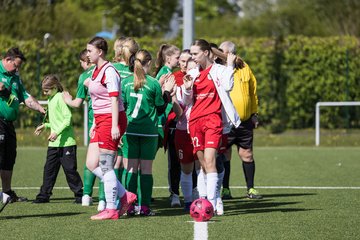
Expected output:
(223, 144)
(183, 146)
(206, 132)
(102, 131)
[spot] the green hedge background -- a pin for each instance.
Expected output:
(293, 73)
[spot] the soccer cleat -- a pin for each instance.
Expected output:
(40, 200)
(15, 198)
(107, 214)
(226, 194)
(101, 205)
(187, 207)
(78, 200)
(4, 200)
(131, 211)
(219, 207)
(175, 200)
(126, 201)
(86, 200)
(146, 212)
(253, 194)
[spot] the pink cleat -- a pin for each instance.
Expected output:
(106, 214)
(126, 202)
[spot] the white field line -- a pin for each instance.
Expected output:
(200, 230)
(235, 187)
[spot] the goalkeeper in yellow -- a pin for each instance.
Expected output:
(245, 100)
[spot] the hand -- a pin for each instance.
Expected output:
(39, 129)
(163, 78)
(67, 97)
(115, 133)
(169, 83)
(52, 137)
(255, 120)
(2, 86)
(230, 59)
(188, 82)
(92, 131)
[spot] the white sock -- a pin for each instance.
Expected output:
(97, 172)
(219, 183)
(211, 182)
(201, 184)
(110, 189)
(121, 189)
(186, 186)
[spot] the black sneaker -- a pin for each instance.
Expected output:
(78, 200)
(40, 200)
(15, 198)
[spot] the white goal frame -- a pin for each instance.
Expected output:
(317, 115)
(86, 118)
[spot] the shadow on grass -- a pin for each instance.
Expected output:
(50, 215)
(238, 206)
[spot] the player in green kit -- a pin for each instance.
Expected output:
(143, 101)
(167, 59)
(82, 94)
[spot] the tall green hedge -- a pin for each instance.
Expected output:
(293, 73)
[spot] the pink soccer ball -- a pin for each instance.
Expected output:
(201, 210)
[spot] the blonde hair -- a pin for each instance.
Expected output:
(52, 81)
(165, 50)
(142, 57)
(124, 48)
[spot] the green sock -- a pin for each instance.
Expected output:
(101, 191)
(121, 172)
(146, 186)
(131, 182)
(124, 178)
(89, 180)
(116, 170)
(139, 200)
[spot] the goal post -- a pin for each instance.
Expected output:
(317, 115)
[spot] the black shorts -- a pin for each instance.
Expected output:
(242, 136)
(7, 145)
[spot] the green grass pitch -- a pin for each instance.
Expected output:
(296, 204)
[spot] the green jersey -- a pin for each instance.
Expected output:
(122, 69)
(60, 122)
(83, 92)
(162, 118)
(9, 105)
(162, 71)
(141, 106)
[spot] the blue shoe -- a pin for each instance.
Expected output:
(187, 207)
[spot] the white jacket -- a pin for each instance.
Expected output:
(223, 78)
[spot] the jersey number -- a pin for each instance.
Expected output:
(139, 97)
(195, 142)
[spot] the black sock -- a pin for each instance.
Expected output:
(249, 172)
(226, 179)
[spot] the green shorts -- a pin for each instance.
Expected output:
(139, 147)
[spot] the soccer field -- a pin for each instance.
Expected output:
(309, 193)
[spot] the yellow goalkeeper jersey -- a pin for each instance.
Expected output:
(243, 94)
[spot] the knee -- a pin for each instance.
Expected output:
(106, 162)
(246, 155)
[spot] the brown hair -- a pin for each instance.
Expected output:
(83, 56)
(99, 43)
(51, 81)
(165, 50)
(129, 47)
(142, 57)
